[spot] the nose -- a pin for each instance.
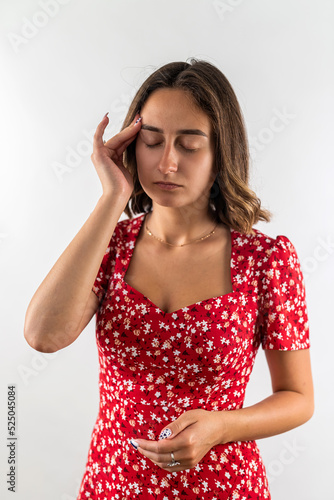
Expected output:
(168, 162)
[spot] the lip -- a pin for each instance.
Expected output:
(167, 185)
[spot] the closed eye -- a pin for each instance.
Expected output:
(186, 149)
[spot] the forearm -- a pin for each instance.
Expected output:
(280, 412)
(56, 308)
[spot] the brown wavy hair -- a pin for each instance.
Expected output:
(231, 200)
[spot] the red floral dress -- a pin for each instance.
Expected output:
(155, 365)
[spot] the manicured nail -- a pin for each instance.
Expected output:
(105, 115)
(165, 434)
(138, 120)
(134, 443)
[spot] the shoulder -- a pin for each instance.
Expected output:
(128, 225)
(127, 229)
(266, 255)
(260, 245)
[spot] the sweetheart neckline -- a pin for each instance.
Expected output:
(127, 285)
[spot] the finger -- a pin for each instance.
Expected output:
(129, 141)
(97, 139)
(160, 452)
(122, 148)
(184, 421)
(168, 442)
(132, 128)
(158, 447)
(116, 143)
(117, 140)
(162, 459)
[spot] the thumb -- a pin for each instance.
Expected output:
(174, 428)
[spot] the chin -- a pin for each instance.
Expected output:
(164, 198)
(167, 203)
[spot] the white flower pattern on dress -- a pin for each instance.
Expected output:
(156, 365)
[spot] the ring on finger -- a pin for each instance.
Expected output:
(173, 462)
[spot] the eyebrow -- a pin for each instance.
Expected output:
(191, 131)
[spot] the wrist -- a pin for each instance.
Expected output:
(226, 418)
(114, 200)
(222, 425)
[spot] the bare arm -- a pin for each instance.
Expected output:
(57, 311)
(290, 405)
(195, 432)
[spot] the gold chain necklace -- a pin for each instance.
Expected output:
(149, 232)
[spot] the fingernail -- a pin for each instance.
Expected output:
(165, 434)
(105, 115)
(134, 443)
(138, 120)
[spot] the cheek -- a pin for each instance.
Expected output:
(147, 162)
(143, 155)
(140, 160)
(144, 166)
(137, 151)
(202, 164)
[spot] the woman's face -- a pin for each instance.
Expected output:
(175, 145)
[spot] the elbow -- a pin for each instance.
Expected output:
(33, 335)
(310, 403)
(310, 409)
(44, 339)
(39, 343)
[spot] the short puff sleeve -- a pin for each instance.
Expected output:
(284, 318)
(106, 269)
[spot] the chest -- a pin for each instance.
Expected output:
(173, 279)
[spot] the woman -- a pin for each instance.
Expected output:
(184, 295)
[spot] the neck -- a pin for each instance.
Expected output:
(178, 226)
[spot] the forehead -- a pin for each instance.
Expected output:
(174, 108)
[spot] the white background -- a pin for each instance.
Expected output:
(60, 74)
